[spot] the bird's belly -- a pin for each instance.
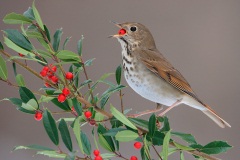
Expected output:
(153, 88)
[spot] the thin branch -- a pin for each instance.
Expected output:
(157, 152)
(121, 100)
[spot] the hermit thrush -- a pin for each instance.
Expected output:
(151, 75)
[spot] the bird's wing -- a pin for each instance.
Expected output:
(159, 65)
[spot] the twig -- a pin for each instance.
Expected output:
(121, 100)
(157, 152)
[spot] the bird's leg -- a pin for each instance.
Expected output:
(158, 108)
(171, 107)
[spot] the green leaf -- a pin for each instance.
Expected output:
(182, 147)
(19, 39)
(101, 130)
(187, 137)
(139, 122)
(37, 16)
(50, 127)
(33, 147)
(79, 46)
(47, 33)
(125, 136)
(157, 138)
(86, 144)
(52, 154)
(20, 80)
(85, 83)
(1, 46)
(46, 99)
(112, 90)
(166, 126)
(26, 94)
(152, 125)
(107, 155)
(18, 102)
(14, 18)
(103, 101)
(165, 145)
(34, 34)
(77, 106)
(118, 115)
(44, 53)
(77, 133)
(216, 147)
(68, 55)
(31, 105)
(14, 69)
(182, 156)
(118, 74)
(113, 131)
(104, 143)
(89, 62)
(56, 39)
(63, 128)
(63, 106)
(65, 42)
(29, 13)
(3, 69)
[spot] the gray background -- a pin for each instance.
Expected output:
(200, 38)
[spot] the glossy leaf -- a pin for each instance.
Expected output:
(113, 131)
(65, 42)
(77, 106)
(152, 125)
(139, 122)
(63, 106)
(37, 16)
(14, 18)
(3, 69)
(79, 46)
(33, 147)
(108, 155)
(86, 144)
(18, 103)
(34, 34)
(20, 80)
(125, 136)
(165, 145)
(77, 133)
(56, 39)
(118, 115)
(29, 13)
(31, 105)
(52, 154)
(166, 126)
(89, 62)
(101, 130)
(157, 138)
(26, 94)
(216, 147)
(50, 127)
(15, 47)
(104, 101)
(182, 147)
(19, 39)
(63, 128)
(112, 90)
(118, 74)
(104, 143)
(67, 55)
(187, 137)
(47, 33)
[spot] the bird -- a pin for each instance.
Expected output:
(152, 76)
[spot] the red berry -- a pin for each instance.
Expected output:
(122, 31)
(45, 68)
(61, 98)
(43, 73)
(92, 122)
(98, 158)
(88, 114)
(21, 55)
(133, 158)
(54, 79)
(66, 91)
(38, 116)
(47, 85)
(137, 145)
(96, 152)
(54, 68)
(69, 75)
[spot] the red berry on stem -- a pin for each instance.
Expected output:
(61, 98)
(54, 79)
(133, 158)
(38, 116)
(47, 85)
(54, 68)
(69, 75)
(122, 31)
(96, 152)
(21, 55)
(137, 145)
(43, 73)
(88, 114)
(66, 91)
(45, 68)
(98, 158)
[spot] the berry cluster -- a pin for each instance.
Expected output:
(49, 71)
(96, 152)
(137, 145)
(63, 96)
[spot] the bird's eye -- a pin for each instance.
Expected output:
(133, 29)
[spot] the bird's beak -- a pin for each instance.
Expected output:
(116, 35)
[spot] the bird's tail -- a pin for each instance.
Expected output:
(216, 118)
